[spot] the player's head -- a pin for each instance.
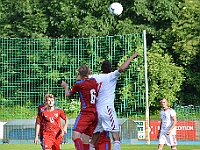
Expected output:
(83, 71)
(106, 66)
(164, 103)
(49, 99)
(48, 96)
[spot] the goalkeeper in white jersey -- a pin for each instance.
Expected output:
(167, 133)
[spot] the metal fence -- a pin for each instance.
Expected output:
(31, 68)
(189, 122)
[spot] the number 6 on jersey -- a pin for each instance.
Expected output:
(93, 96)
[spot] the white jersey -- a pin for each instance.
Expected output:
(167, 121)
(107, 117)
(107, 84)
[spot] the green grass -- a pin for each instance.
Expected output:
(71, 147)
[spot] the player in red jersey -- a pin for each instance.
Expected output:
(41, 107)
(87, 119)
(103, 142)
(52, 131)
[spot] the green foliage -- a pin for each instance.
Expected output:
(186, 30)
(186, 48)
(32, 67)
(165, 78)
(71, 107)
(173, 24)
(22, 18)
(86, 18)
(17, 112)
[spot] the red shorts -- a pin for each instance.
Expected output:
(86, 122)
(51, 142)
(103, 142)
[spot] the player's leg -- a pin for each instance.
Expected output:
(94, 140)
(59, 137)
(160, 146)
(173, 147)
(96, 132)
(76, 137)
(91, 120)
(79, 126)
(107, 142)
(47, 142)
(107, 145)
(86, 139)
(97, 146)
(103, 142)
(114, 127)
(161, 141)
(172, 141)
(103, 146)
(56, 144)
(116, 140)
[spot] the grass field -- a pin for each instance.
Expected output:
(71, 147)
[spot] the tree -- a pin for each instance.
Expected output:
(165, 78)
(184, 37)
(173, 24)
(22, 19)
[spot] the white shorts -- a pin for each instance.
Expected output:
(169, 140)
(107, 120)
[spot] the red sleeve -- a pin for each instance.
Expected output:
(74, 89)
(39, 108)
(39, 119)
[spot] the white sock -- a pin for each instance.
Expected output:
(159, 148)
(91, 146)
(174, 148)
(116, 145)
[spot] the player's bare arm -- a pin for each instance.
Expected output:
(127, 62)
(37, 129)
(65, 86)
(173, 125)
(64, 130)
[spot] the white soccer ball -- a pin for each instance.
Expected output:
(115, 8)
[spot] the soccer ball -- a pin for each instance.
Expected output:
(115, 8)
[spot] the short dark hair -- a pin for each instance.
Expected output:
(106, 66)
(83, 71)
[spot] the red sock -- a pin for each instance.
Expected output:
(78, 144)
(86, 146)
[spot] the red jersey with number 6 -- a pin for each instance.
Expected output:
(87, 90)
(87, 118)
